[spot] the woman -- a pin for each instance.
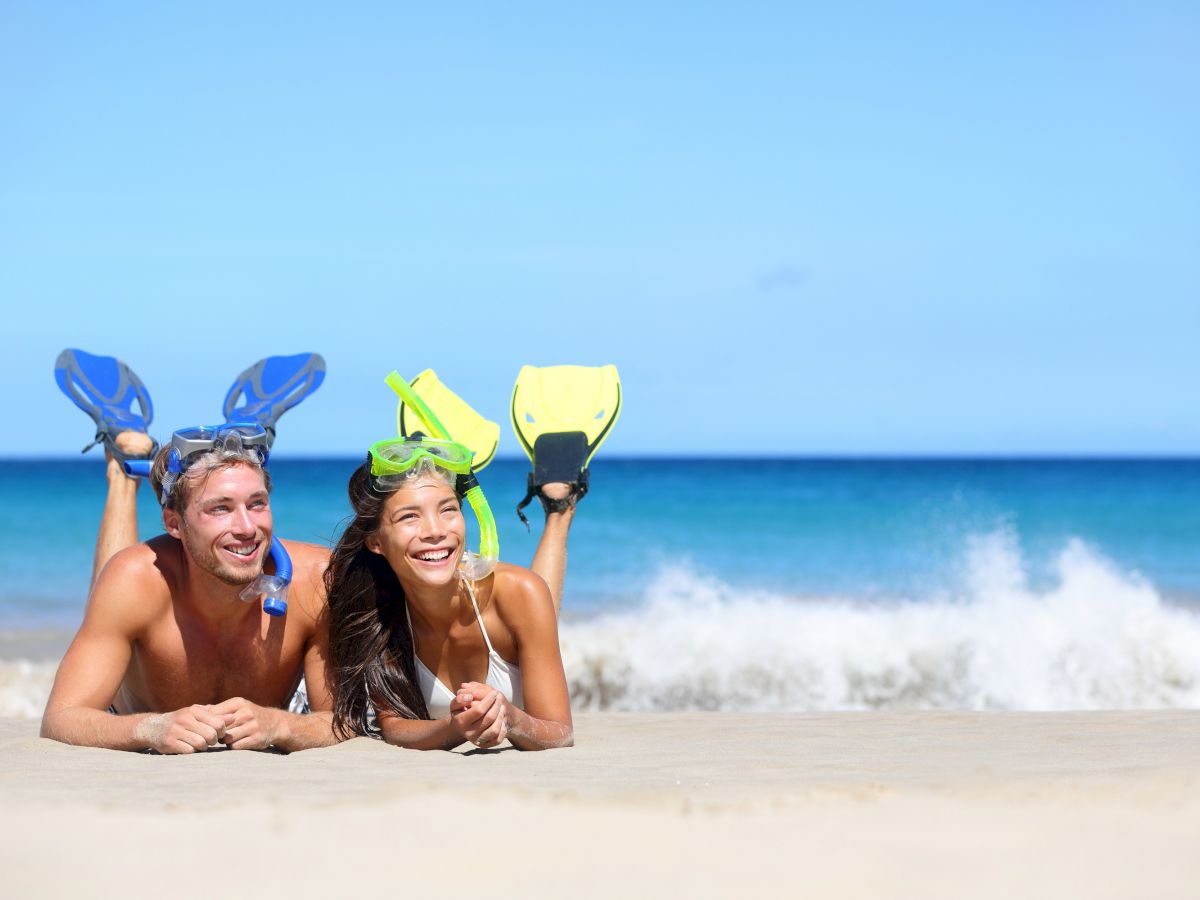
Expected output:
(412, 614)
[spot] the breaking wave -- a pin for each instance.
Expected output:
(1095, 638)
(24, 687)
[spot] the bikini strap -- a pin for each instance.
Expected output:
(478, 618)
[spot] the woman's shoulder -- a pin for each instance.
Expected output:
(520, 594)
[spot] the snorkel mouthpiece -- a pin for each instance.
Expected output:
(272, 588)
(475, 566)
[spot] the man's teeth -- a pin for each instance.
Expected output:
(433, 555)
(242, 551)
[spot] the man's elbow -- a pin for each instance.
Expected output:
(52, 725)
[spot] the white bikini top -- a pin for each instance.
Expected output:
(502, 675)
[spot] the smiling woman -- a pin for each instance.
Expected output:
(412, 612)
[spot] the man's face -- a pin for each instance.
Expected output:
(226, 528)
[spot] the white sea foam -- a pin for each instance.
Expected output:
(24, 687)
(1096, 638)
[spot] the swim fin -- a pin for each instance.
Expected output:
(561, 415)
(462, 423)
(106, 389)
(271, 387)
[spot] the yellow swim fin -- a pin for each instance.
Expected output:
(462, 423)
(561, 415)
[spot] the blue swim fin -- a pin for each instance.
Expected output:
(271, 387)
(106, 389)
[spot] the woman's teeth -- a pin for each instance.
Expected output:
(433, 555)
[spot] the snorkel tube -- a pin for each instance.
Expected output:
(137, 468)
(272, 588)
(475, 566)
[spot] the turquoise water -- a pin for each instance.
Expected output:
(856, 528)
(785, 584)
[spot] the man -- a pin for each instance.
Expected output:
(166, 642)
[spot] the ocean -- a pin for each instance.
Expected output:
(765, 585)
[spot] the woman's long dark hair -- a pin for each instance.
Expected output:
(370, 642)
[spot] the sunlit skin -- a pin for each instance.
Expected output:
(227, 527)
(422, 535)
(419, 524)
(187, 663)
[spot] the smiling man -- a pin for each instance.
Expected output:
(170, 657)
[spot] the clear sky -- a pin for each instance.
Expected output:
(796, 228)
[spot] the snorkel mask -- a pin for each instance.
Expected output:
(187, 445)
(398, 460)
(394, 461)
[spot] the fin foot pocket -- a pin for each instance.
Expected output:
(561, 415)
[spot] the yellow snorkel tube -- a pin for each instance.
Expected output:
(474, 566)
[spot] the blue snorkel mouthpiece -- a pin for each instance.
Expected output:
(272, 588)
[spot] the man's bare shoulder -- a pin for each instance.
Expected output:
(135, 584)
(313, 554)
(309, 562)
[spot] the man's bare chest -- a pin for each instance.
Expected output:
(183, 661)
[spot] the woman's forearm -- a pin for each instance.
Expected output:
(421, 734)
(526, 732)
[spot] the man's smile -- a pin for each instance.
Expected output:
(243, 550)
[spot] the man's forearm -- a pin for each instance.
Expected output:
(305, 732)
(86, 727)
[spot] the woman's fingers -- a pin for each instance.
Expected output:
(494, 724)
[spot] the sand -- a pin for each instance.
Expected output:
(896, 804)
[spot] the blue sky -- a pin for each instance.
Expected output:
(796, 229)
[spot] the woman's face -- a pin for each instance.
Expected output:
(422, 533)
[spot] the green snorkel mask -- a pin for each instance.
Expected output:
(394, 460)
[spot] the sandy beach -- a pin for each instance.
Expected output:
(897, 804)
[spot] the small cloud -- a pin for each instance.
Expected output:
(782, 278)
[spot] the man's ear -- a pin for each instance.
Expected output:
(172, 522)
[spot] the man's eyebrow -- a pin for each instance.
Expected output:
(213, 501)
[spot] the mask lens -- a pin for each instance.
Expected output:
(396, 457)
